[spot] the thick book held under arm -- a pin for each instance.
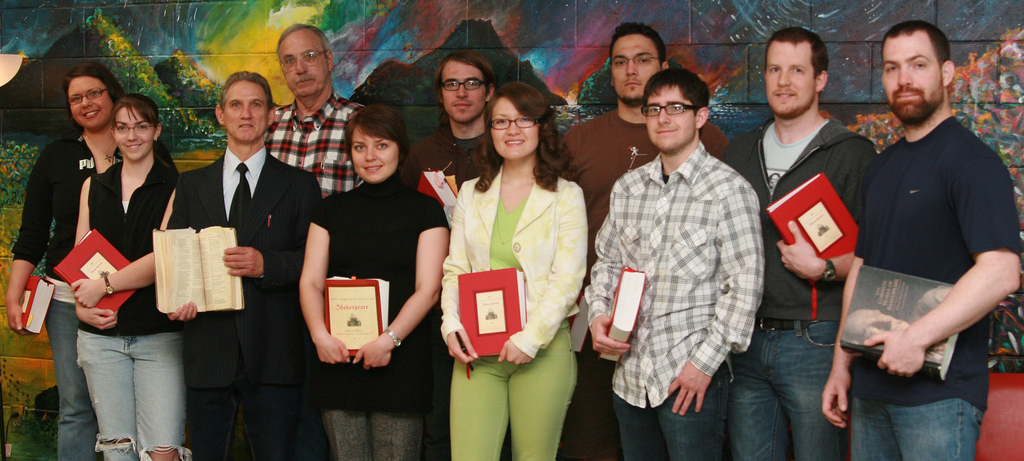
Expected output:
(190, 267)
(356, 310)
(35, 303)
(886, 301)
(628, 295)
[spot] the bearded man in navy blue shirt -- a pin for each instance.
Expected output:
(937, 204)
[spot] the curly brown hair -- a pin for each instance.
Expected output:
(553, 160)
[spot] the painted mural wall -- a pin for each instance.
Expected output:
(178, 52)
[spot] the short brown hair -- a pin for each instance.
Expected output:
(796, 36)
(552, 159)
(380, 121)
(469, 58)
(938, 38)
(245, 76)
(141, 105)
(97, 71)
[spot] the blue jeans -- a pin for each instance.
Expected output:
(653, 434)
(946, 430)
(76, 428)
(137, 384)
(777, 383)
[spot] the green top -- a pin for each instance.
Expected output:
(502, 255)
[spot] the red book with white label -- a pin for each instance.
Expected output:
(93, 258)
(356, 310)
(821, 216)
(35, 303)
(436, 184)
(492, 307)
(628, 295)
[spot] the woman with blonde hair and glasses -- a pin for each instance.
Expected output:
(521, 212)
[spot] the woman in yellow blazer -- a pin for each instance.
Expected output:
(521, 212)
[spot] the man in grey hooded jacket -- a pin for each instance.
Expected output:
(778, 381)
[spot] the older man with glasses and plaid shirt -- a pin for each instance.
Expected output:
(310, 133)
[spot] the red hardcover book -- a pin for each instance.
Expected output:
(35, 303)
(628, 294)
(821, 216)
(356, 310)
(93, 258)
(492, 306)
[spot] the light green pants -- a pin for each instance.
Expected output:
(532, 397)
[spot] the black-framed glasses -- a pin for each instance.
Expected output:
(639, 60)
(469, 83)
(670, 109)
(503, 124)
(308, 57)
(77, 99)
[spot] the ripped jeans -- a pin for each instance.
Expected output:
(137, 386)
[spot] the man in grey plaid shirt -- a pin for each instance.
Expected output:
(691, 224)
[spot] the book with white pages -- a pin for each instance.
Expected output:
(628, 296)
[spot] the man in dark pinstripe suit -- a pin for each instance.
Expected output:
(253, 355)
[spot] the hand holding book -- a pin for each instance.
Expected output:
(376, 353)
(800, 257)
(330, 349)
(511, 353)
(102, 319)
(184, 313)
(902, 354)
(603, 344)
(460, 347)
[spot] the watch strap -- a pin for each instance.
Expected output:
(394, 337)
(830, 271)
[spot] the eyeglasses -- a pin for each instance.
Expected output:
(470, 84)
(308, 58)
(77, 99)
(502, 124)
(671, 109)
(139, 129)
(640, 60)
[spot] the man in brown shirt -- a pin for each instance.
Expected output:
(463, 83)
(603, 149)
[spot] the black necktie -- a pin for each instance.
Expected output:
(240, 203)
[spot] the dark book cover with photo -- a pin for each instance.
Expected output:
(886, 301)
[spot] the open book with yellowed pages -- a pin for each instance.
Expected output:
(190, 267)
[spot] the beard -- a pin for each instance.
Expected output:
(913, 113)
(631, 101)
(792, 112)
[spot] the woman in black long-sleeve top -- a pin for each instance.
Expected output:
(53, 188)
